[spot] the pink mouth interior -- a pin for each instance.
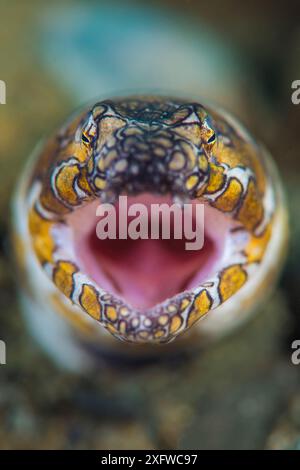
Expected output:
(146, 272)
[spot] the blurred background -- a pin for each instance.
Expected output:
(244, 391)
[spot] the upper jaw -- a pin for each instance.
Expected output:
(159, 162)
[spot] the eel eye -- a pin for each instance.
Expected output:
(88, 132)
(85, 139)
(212, 139)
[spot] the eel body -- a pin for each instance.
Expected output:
(81, 294)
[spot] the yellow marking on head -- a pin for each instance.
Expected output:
(132, 131)
(190, 155)
(177, 162)
(216, 178)
(256, 247)
(100, 183)
(64, 183)
(179, 114)
(63, 277)
(191, 182)
(108, 125)
(40, 230)
(242, 153)
(108, 159)
(124, 311)
(90, 302)
(111, 313)
(101, 164)
(191, 133)
(164, 142)
(79, 151)
(184, 304)
(202, 305)
(50, 202)
(231, 280)
(232, 156)
(202, 163)
(172, 308)
(159, 333)
(121, 165)
(159, 152)
(176, 323)
(251, 211)
(98, 110)
(163, 319)
(83, 182)
(135, 322)
(122, 327)
(143, 334)
(230, 198)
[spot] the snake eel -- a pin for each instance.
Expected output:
(77, 292)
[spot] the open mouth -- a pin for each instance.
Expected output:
(155, 151)
(147, 272)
